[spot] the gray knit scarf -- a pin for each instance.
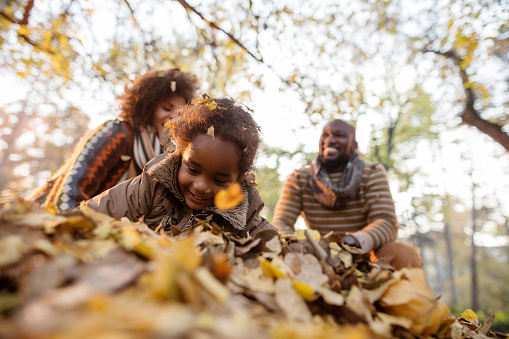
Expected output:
(329, 195)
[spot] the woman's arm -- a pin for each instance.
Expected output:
(97, 163)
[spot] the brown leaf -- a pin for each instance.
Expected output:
(292, 304)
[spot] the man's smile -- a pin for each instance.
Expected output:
(330, 151)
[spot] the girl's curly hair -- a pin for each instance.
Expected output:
(139, 101)
(230, 122)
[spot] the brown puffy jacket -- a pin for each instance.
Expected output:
(155, 196)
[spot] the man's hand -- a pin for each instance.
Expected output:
(351, 241)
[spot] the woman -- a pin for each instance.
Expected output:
(119, 149)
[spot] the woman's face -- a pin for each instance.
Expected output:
(209, 165)
(166, 110)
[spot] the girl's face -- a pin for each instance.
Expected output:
(166, 110)
(208, 166)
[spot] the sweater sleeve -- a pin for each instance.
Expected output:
(382, 226)
(97, 163)
(289, 205)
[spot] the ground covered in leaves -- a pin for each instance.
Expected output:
(84, 275)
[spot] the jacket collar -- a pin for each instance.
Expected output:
(165, 170)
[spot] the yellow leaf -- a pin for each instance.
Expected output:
(23, 30)
(45, 246)
(314, 233)
(171, 122)
(305, 291)
(131, 237)
(469, 314)
(412, 298)
(182, 257)
(51, 208)
(270, 270)
(211, 105)
(229, 198)
(11, 250)
(210, 131)
(47, 38)
(219, 291)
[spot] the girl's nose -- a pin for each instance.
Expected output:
(201, 186)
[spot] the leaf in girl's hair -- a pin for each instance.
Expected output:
(205, 99)
(211, 105)
(171, 122)
(229, 198)
(210, 131)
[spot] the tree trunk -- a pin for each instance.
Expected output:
(473, 262)
(450, 264)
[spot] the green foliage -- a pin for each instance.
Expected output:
(269, 186)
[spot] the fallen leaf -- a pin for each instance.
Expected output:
(314, 233)
(270, 270)
(305, 291)
(310, 270)
(229, 198)
(469, 315)
(11, 250)
(211, 284)
(292, 304)
(412, 298)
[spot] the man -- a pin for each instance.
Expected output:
(342, 193)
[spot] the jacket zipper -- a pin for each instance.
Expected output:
(190, 222)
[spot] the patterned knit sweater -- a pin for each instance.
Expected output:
(98, 162)
(370, 217)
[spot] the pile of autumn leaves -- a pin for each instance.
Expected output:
(86, 275)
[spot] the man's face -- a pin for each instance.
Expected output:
(337, 144)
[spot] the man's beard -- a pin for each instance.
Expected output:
(340, 160)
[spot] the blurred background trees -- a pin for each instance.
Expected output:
(425, 82)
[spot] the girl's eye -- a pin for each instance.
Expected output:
(169, 108)
(220, 182)
(192, 170)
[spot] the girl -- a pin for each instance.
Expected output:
(215, 148)
(119, 149)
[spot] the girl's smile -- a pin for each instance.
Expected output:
(208, 166)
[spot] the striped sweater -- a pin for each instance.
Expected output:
(98, 162)
(370, 217)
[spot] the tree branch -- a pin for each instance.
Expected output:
(215, 26)
(470, 114)
(287, 81)
(28, 8)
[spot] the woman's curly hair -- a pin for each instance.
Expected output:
(139, 101)
(230, 121)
